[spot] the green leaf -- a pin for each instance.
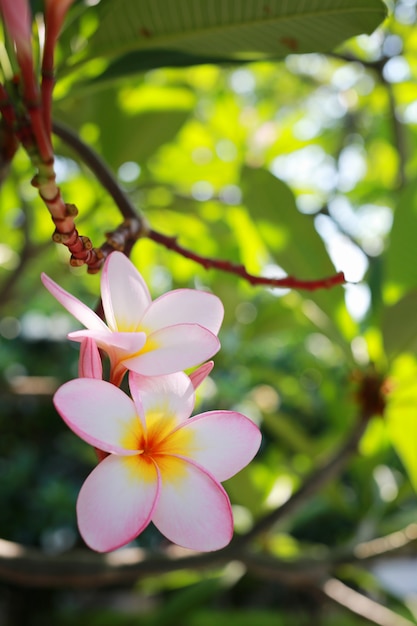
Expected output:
(399, 325)
(296, 246)
(290, 235)
(401, 414)
(400, 260)
(144, 119)
(225, 28)
(143, 60)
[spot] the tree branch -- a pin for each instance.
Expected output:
(239, 270)
(362, 605)
(135, 225)
(31, 567)
(313, 483)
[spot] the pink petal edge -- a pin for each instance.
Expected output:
(224, 442)
(194, 510)
(124, 293)
(78, 309)
(116, 502)
(100, 414)
(178, 348)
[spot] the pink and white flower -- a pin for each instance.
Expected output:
(162, 466)
(176, 331)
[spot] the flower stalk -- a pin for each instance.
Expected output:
(26, 110)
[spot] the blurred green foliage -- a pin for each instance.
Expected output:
(302, 165)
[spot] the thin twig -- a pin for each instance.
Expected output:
(362, 605)
(239, 270)
(135, 225)
(313, 483)
(100, 169)
(83, 569)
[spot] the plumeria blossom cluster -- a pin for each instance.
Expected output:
(156, 462)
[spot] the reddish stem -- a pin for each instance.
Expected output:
(48, 76)
(6, 108)
(31, 99)
(239, 270)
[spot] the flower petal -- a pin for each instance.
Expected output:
(200, 374)
(122, 344)
(78, 309)
(193, 509)
(124, 293)
(171, 395)
(101, 414)
(176, 348)
(184, 306)
(89, 365)
(116, 501)
(223, 442)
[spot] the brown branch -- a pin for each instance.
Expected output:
(239, 270)
(135, 225)
(83, 569)
(362, 605)
(398, 542)
(313, 483)
(101, 171)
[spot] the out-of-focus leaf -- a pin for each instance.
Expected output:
(400, 261)
(290, 235)
(178, 606)
(294, 244)
(399, 326)
(401, 413)
(143, 60)
(145, 119)
(227, 29)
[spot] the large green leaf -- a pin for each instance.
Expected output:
(400, 259)
(142, 60)
(401, 416)
(399, 325)
(290, 235)
(224, 29)
(294, 244)
(145, 119)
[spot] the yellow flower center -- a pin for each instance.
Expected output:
(158, 445)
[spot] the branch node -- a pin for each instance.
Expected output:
(75, 262)
(71, 210)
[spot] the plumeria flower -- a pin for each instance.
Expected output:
(162, 466)
(175, 332)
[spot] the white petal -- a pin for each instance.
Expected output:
(184, 306)
(193, 509)
(171, 395)
(223, 442)
(175, 348)
(124, 293)
(78, 309)
(116, 502)
(101, 414)
(122, 344)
